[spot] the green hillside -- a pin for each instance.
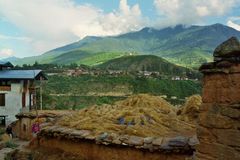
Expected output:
(144, 63)
(87, 57)
(186, 46)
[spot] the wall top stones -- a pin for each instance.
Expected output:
(178, 144)
(226, 58)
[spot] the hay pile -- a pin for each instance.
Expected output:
(140, 115)
(190, 110)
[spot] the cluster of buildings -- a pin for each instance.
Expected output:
(80, 72)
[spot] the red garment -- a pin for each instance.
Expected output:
(35, 128)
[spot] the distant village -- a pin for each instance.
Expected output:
(74, 70)
(82, 70)
(147, 74)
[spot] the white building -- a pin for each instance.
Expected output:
(17, 91)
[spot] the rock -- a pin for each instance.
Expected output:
(111, 137)
(116, 141)
(59, 129)
(52, 128)
(211, 120)
(148, 140)
(134, 141)
(148, 146)
(228, 137)
(193, 141)
(204, 66)
(157, 141)
(123, 138)
(178, 141)
(218, 151)
(165, 145)
(224, 64)
(90, 137)
(67, 131)
(230, 112)
(102, 136)
(80, 133)
(228, 48)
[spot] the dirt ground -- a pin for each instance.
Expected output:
(21, 145)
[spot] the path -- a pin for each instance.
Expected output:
(21, 146)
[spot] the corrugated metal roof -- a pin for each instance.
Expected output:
(20, 74)
(6, 64)
(2, 62)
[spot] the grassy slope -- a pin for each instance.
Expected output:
(87, 57)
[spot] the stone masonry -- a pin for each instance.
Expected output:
(218, 127)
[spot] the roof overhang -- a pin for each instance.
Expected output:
(22, 75)
(6, 64)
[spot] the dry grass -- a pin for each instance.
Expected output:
(141, 115)
(190, 110)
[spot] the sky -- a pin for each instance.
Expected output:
(32, 27)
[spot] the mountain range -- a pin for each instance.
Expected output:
(186, 46)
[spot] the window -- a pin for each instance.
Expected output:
(5, 83)
(2, 100)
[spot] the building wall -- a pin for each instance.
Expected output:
(13, 102)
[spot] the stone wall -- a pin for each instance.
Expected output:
(23, 128)
(89, 150)
(219, 119)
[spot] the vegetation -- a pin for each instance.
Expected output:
(147, 63)
(11, 144)
(61, 92)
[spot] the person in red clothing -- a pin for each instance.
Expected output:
(35, 131)
(35, 128)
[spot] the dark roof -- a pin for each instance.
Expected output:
(5, 64)
(22, 74)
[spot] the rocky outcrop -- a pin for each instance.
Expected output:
(219, 119)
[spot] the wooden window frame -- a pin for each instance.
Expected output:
(3, 103)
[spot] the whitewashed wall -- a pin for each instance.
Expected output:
(13, 103)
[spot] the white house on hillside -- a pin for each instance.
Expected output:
(17, 91)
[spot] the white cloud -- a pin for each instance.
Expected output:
(6, 52)
(174, 12)
(231, 23)
(124, 20)
(14, 38)
(52, 23)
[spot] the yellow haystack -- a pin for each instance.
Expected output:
(190, 110)
(141, 115)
